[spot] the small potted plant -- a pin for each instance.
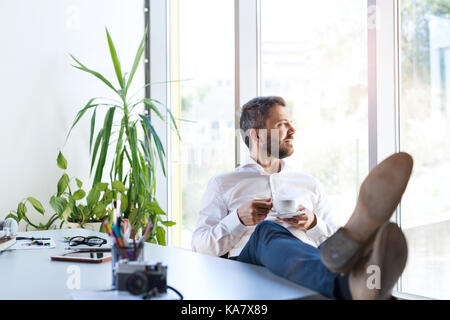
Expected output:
(65, 203)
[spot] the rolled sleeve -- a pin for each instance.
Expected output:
(218, 229)
(233, 224)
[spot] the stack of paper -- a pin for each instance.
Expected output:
(7, 242)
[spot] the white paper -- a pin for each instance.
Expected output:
(22, 245)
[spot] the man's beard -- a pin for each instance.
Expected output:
(284, 150)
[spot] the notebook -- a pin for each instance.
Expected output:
(7, 242)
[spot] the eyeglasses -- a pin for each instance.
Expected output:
(90, 241)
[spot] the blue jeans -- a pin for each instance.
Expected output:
(276, 248)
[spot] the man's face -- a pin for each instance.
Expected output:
(280, 120)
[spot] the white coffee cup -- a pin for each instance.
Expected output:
(284, 205)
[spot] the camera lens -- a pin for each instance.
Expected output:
(137, 283)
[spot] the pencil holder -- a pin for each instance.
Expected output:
(122, 254)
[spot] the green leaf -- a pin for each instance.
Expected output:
(79, 182)
(94, 73)
(117, 185)
(171, 117)
(80, 114)
(99, 209)
(93, 197)
(62, 184)
(119, 152)
(161, 235)
(66, 213)
(13, 216)
(134, 158)
(124, 202)
(161, 158)
(101, 186)
(145, 180)
(155, 208)
(97, 144)
(168, 223)
(61, 161)
(119, 162)
(106, 136)
(72, 205)
(159, 146)
(36, 204)
(152, 106)
(137, 58)
(108, 197)
(146, 153)
(79, 194)
(150, 127)
(133, 216)
(83, 211)
(115, 59)
(92, 129)
(21, 210)
(58, 204)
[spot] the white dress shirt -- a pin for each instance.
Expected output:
(219, 230)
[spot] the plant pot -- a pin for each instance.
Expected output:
(94, 226)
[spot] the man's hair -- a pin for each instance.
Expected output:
(255, 113)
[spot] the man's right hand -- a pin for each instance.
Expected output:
(255, 211)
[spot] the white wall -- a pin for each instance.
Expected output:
(40, 93)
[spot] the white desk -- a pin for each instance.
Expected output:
(29, 274)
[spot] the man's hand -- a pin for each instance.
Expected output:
(304, 221)
(255, 211)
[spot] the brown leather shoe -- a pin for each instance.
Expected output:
(379, 195)
(375, 275)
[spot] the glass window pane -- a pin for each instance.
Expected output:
(206, 93)
(314, 54)
(425, 133)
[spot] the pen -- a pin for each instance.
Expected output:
(89, 249)
(31, 238)
(106, 227)
(133, 235)
(116, 235)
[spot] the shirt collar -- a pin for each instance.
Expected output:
(250, 162)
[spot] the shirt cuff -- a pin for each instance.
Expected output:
(317, 232)
(233, 224)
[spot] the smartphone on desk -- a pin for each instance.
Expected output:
(88, 257)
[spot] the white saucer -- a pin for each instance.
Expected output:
(285, 215)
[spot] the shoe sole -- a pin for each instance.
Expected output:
(379, 195)
(389, 253)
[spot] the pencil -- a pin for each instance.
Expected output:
(147, 229)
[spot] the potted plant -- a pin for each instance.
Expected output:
(136, 151)
(65, 203)
(137, 147)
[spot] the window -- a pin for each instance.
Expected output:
(205, 45)
(314, 54)
(425, 133)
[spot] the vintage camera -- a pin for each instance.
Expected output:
(140, 278)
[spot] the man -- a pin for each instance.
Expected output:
(309, 249)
